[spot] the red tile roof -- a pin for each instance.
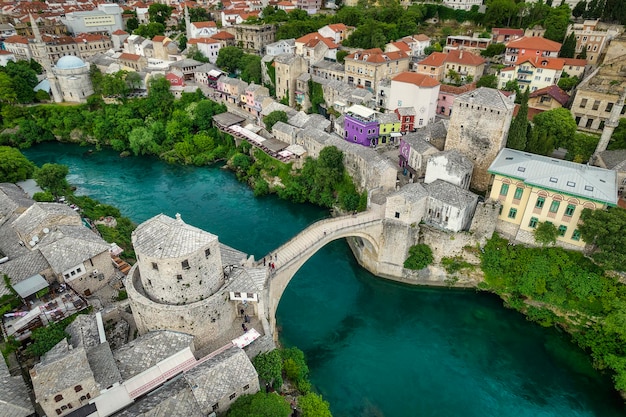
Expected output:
(553, 91)
(158, 38)
(451, 89)
(575, 62)
(535, 43)
(223, 35)
(401, 45)
(436, 59)
(338, 27)
(507, 31)
(129, 57)
(194, 41)
(120, 32)
(209, 24)
(414, 78)
(377, 56)
(541, 62)
(459, 56)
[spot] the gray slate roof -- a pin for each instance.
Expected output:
(174, 399)
(24, 266)
(417, 143)
(450, 194)
(456, 161)
(219, 376)
(284, 128)
(67, 246)
(60, 368)
(164, 237)
(148, 350)
(40, 214)
(231, 256)
(412, 192)
(566, 177)
(387, 118)
(14, 194)
(615, 160)
(83, 331)
(247, 280)
(489, 97)
(103, 365)
(14, 397)
(285, 58)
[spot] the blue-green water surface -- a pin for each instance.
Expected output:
(375, 348)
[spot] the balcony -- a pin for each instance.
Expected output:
(523, 71)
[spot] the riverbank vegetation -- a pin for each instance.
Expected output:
(287, 387)
(554, 286)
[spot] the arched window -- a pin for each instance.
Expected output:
(58, 398)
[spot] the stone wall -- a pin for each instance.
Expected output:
(168, 281)
(207, 319)
(484, 221)
(91, 281)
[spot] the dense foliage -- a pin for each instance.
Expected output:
(51, 178)
(274, 117)
(14, 166)
(519, 126)
(606, 229)
(556, 286)
(261, 404)
(234, 60)
(45, 338)
(17, 80)
(420, 256)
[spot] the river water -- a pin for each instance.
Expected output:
(375, 348)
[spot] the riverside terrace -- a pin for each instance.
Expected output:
(231, 123)
(61, 301)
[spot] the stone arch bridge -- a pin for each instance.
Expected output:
(293, 254)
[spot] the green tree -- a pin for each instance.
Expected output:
(369, 35)
(45, 338)
(558, 125)
(436, 47)
(500, 12)
(150, 30)
(313, 405)
(132, 24)
(159, 13)
(493, 50)
(341, 55)
(141, 141)
(52, 177)
(420, 256)
(269, 366)
(229, 58)
(489, 81)
(251, 68)
(556, 23)
(160, 98)
(14, 166)
(618, 139)
(568, 83)
(568, 49)
(579, 9)
(274, 117)
(260, 404)
(8, 94)
(606, 229)
(519, 127)
(545, 233)
(582, 54)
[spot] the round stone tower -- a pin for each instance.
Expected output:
(178, 263)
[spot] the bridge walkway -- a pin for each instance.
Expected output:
(319, 234)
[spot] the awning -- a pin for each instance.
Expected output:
(396, 134)
(214, 73)
(30, 285)
(247, 338)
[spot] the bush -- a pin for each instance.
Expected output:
(452, 265)
(121, 295)
(420, 256)
(43, 197)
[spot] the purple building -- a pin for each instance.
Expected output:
(360, 126)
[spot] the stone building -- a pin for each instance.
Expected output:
(463, 64)
(478, 129)
(590, 38)
(597, 94)
(106, 18)
(414, 152)
(179, 281)
(531, 46)
(252, 38)
(450, 166)
(407, 205)
(74, 81)
(14, 396)
(418, 91)
(533, 189)
(288, 68)
(616, 161)
(448, 206)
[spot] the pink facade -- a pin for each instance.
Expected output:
(444, 103)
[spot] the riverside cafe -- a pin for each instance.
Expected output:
(19, 323)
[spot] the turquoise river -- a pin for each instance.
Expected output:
(375, 348)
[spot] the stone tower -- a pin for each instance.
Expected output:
(478, 129)
(40, 46)
(610, 124)
(187, 23)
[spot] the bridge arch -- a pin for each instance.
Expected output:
(296, 252)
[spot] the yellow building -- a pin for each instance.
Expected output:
(388, 123)
(534, 189)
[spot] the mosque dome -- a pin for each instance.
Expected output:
(70, 62)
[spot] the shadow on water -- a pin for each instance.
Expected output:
(325, 350)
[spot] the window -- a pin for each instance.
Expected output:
(58, 410)
(562, 230)
(78, 388)
(519, 191)
(245, 387)
(588, 188)
(232, 396)
(569, 211)
(533, 222)
(179, 278)
(540, 202)
(583, 103)
(207, 252)
(216, 406)
(504, 190)
(397, 215)
(596, 105)
(58, 398)
(512, 213)
(554, 207)
(185, 264)
(155, 266)
(609, 107)
(576, 235)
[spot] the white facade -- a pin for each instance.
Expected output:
(284, 46)
(72, 76)
(422, 99)
(210, 48)
(451, 167)
(203, 29)
(106, 18)
(5, 57)
(462, 4)
(532, 74)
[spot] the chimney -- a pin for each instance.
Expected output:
(178, 218)
(460, 53)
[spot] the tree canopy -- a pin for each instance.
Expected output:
(159, 13)
(552, 129)
(52, 178)
(14, 166)
(313, 405)
(150, 30)
(606, 229)
(519, 127)
(274, 117)
(260, 404)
